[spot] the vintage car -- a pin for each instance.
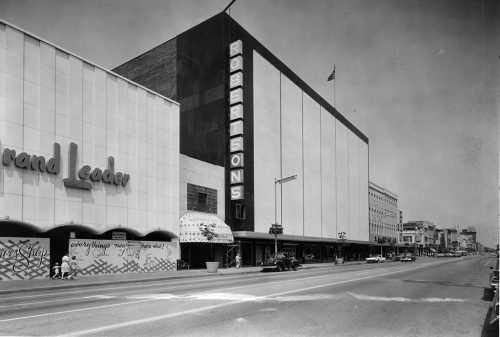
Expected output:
(494, 310)
(280, 262)
(408, 257)
(494, 277)
(375, 259)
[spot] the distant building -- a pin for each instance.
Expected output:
(421, 235)
(468, 239)
(384, 215)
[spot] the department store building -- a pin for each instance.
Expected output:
(107, 166)
(243, 110)
(90, 166)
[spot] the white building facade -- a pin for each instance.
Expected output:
(82, 148)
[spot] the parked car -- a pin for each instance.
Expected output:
(279, 262)
(375, 259)
(408, 257)
(494, 310)
(494, 277)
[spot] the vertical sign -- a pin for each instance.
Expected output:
(236, 119)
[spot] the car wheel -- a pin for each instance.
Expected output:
(294, 267)
(279, 268)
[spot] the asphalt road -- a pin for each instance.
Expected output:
(430, 297)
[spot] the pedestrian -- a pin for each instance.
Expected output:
(65, 267)
(238, 261)
(57, 270)
(73, 266)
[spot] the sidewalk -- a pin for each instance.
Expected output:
(17, 286)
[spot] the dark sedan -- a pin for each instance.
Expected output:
(280, 262)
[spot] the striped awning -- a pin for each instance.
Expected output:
(204, 227)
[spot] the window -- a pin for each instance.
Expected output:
(202, 199)
(240, 211)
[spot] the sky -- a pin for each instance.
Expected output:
(420, 78)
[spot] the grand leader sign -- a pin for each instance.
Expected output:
(80, 178)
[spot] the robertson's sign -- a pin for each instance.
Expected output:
(236, 119)
(53, 166)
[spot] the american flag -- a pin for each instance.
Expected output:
(332, 75)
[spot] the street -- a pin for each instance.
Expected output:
(430, 297)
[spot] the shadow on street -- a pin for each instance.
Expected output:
(446, 283)
(489, 330)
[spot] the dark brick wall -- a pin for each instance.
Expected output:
(155, 69)
(193, 192)
(201, 85)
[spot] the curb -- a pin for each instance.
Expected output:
(161, 278)
(104, 283)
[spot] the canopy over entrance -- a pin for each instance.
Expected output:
(204, 227)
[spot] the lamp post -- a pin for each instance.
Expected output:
(417, 233)
(275, 228)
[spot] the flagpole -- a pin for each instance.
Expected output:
(334, 89)
(334, 78)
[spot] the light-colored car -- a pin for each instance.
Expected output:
(408, 257)
(375, 259)
(494, 277)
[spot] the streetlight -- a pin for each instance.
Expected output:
(275, 228)
(417, 233)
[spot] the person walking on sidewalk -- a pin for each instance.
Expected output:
(73, 266)
(57, 270)
(238, 261)
(64, 267)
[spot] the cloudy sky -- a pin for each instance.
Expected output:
(419, 77)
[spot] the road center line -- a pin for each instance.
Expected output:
(142, 290)
(69, 311)
(210, 307)
(162, 317)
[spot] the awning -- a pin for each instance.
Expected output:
(204, 227)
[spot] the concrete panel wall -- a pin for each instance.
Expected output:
(266, 137)
(291, 158)
(328, 176)
(354, 209)
(342, 171)
(363, 192)
(312, 167)
(197, 172)
(49, 96)
(294, 135)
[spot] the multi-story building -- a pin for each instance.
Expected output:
(244, 110)
(420, 234)
(468, 237)
(452, 239)
(384, 215)
(87, 156)
(412, 239)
